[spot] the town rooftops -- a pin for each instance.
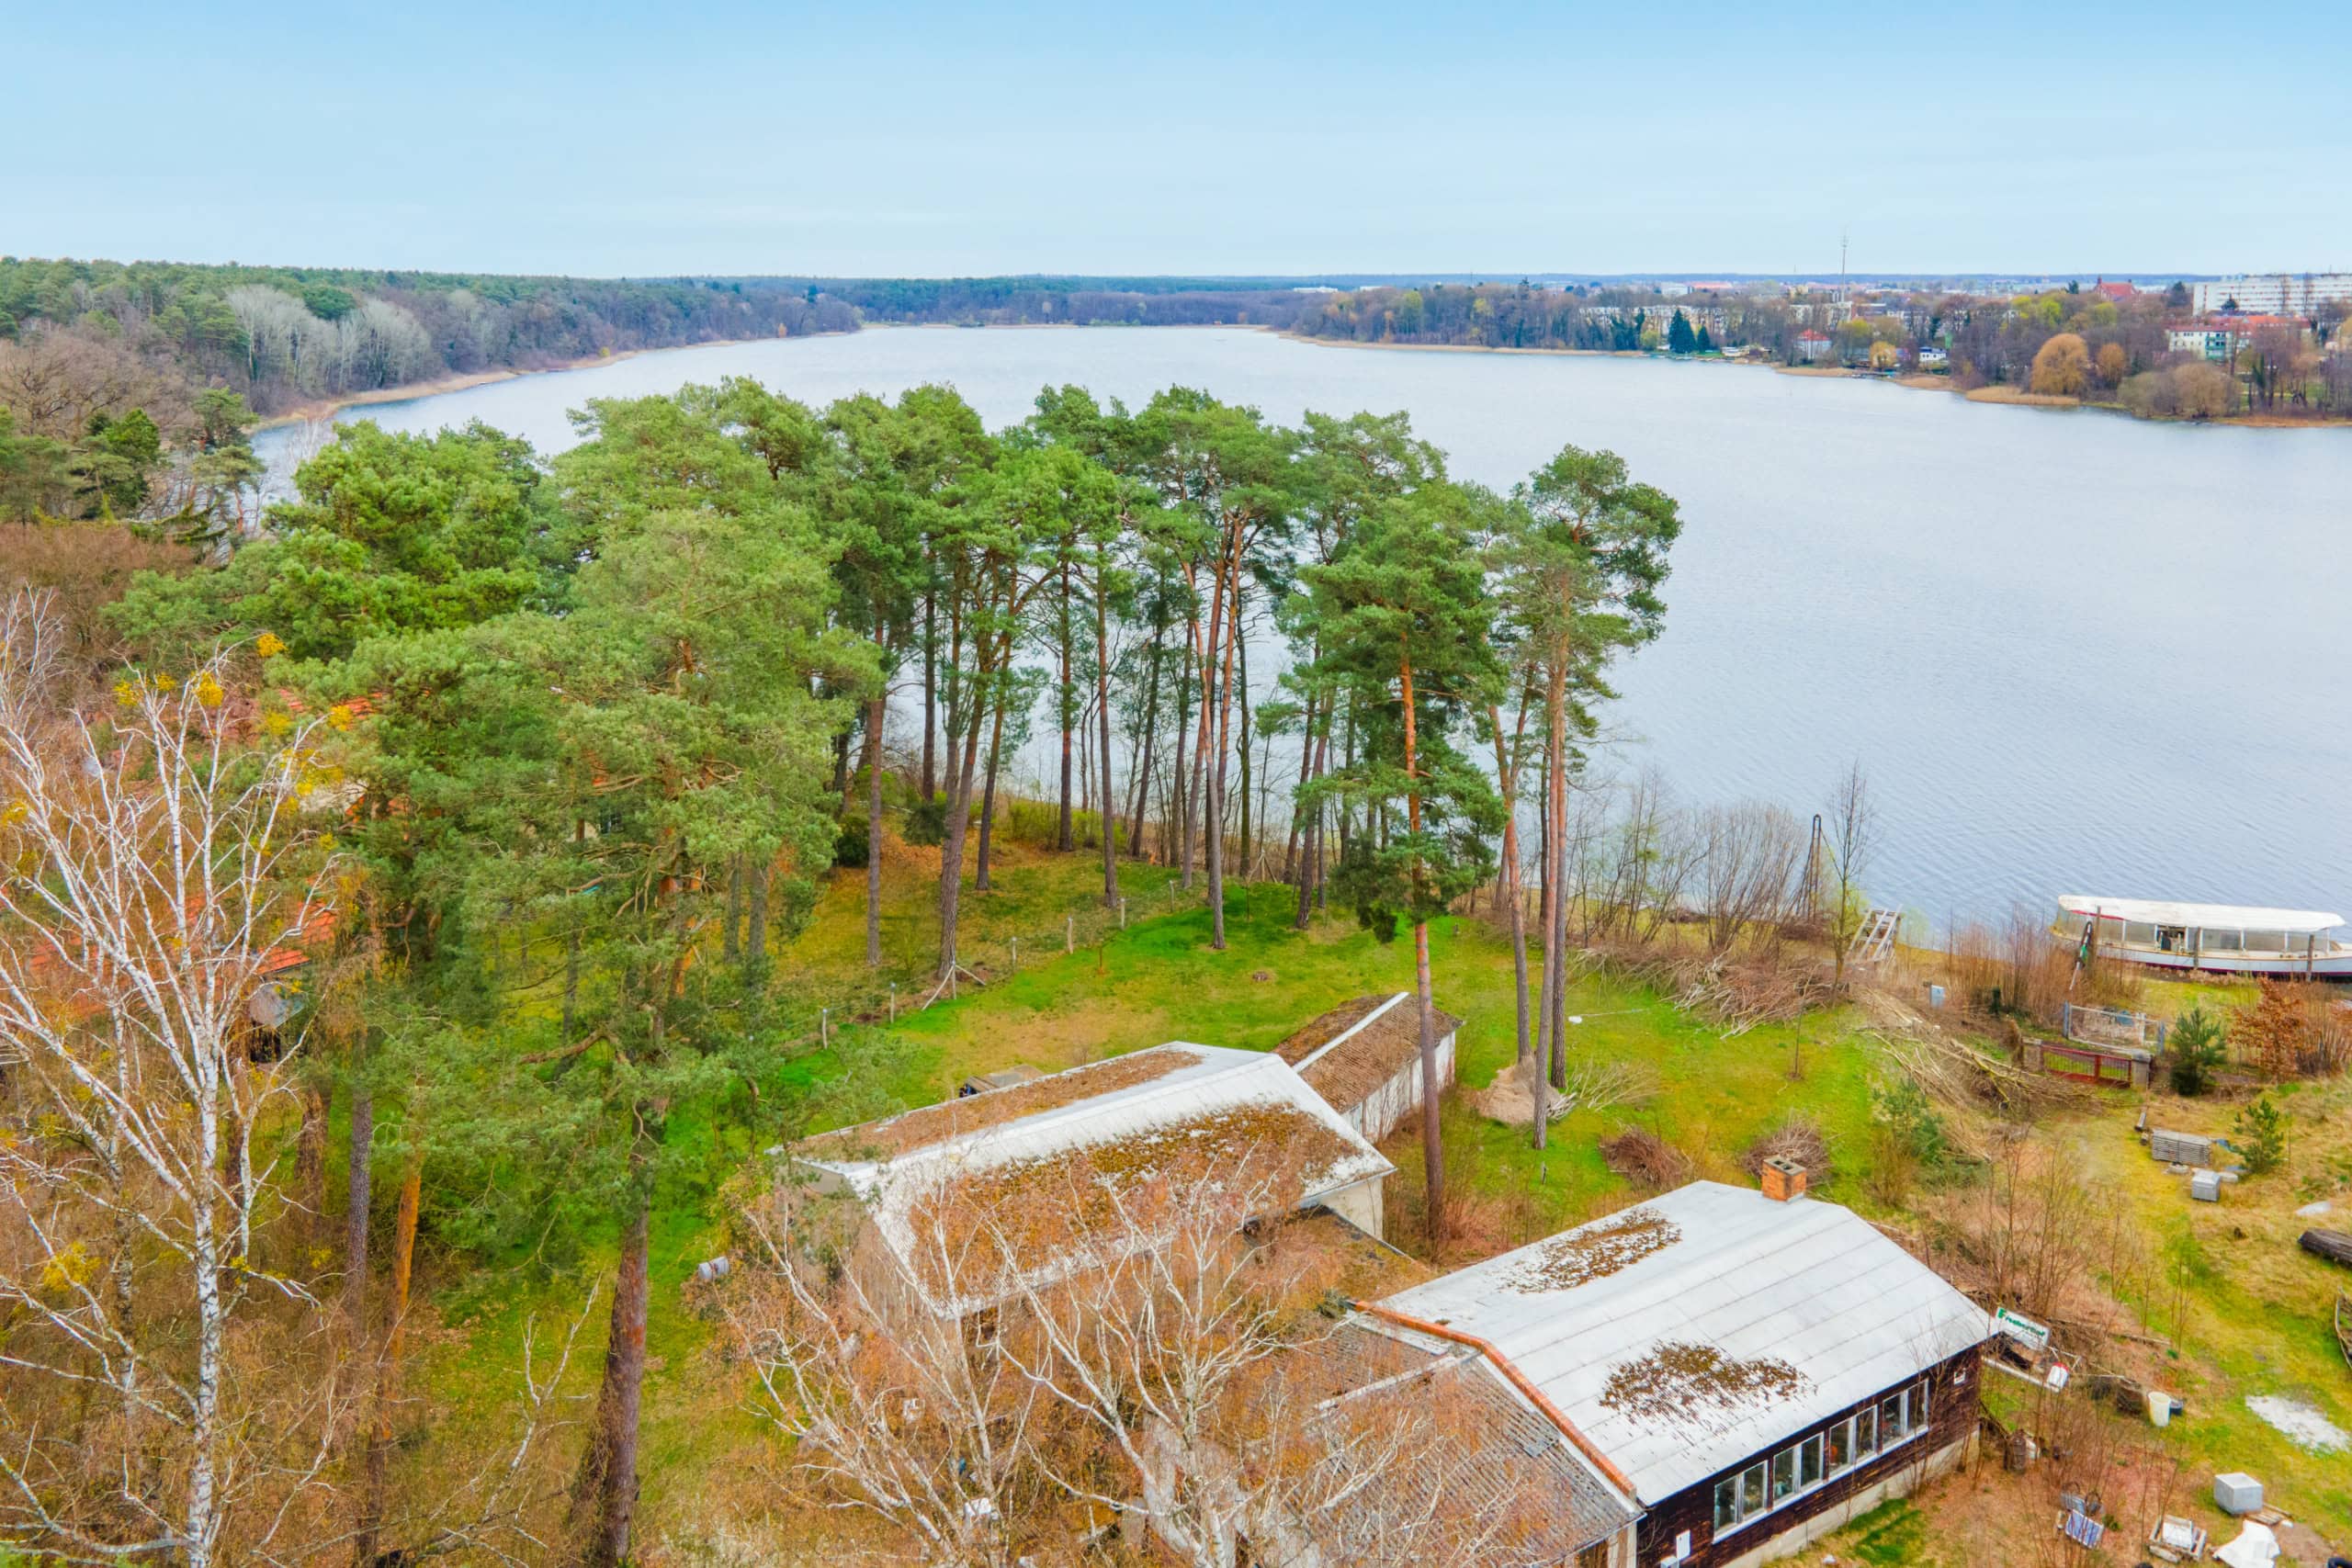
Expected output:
(1360, 1044)
(1151, 1107)
(1691, 1331)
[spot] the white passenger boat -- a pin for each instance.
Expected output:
(2229, 939)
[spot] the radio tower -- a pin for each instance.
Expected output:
(1841, 266)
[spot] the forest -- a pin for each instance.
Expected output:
(280, 336)
(505, 778)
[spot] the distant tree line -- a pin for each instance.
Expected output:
(278, 337)
(1077, 301)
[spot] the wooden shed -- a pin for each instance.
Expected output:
(1365, 1058)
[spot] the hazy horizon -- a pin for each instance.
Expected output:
(1215, 140)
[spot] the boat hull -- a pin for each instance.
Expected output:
(2279, 966)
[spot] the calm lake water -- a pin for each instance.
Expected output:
(2075, 652)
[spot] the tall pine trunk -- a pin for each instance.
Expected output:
(930, 694)
(1508, 883)
(988, 798)
(1197, 789)
(874, 713)
(1241, 686)
(1172, 826)
(603, 1492)
(961, 772)
(1433, 1138)
(1141, 799)
(1212, 818)
(1310, 870)
(1555, 930)
(1062, 839)
(1104, 793)
(388, 1372)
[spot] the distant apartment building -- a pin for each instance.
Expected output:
(1812, 345)
(2220, 339)
(1823, 312)
(2267, 294)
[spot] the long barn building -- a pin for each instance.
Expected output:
(1365, 1058)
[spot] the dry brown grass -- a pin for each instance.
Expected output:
(2024, 399)
(1639, 1154)
(2028, 970)
(1798, 1139)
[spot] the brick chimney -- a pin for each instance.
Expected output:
(1783, 1179)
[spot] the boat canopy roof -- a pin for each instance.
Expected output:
(2213, 917)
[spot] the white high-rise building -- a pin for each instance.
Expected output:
(2272, 293)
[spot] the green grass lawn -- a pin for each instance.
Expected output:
(1158, 980)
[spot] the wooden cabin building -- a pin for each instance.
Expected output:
(1756, 1368)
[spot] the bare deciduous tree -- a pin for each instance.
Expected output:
(155, 867)
(1749, 855)
(1852, 823)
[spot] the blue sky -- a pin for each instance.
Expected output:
(926, 139)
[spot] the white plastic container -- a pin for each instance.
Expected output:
(2159, 1408)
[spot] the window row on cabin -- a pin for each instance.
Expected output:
(2178, 938)
(1747, 1495)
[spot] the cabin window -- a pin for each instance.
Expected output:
(1751, 1491)
(1784, 1474)
(1866, 1434)
(2172, 939)
(1727, 1503)
(2139, 934)
(1890, 1417)
(1841, 1447)
(2266, 941)
(2211, 941)
(1809, 1461)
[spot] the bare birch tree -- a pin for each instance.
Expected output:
(153, 869)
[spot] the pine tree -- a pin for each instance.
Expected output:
(1403, 615)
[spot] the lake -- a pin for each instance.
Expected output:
(2075, 652)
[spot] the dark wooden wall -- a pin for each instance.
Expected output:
(1952, 1415)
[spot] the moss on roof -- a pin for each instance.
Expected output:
(931, 1124)
(1348, 1073)
(1596, 1251)
(1678, 1381)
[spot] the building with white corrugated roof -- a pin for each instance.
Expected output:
(1140, 1111)
(1754, 1370)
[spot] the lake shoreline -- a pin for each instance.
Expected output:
(323, 409)
(2006, 396)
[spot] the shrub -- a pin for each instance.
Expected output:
(2274, 1033)
(2261, 1130)
(927, 822)
(850, 845)
(2195, 1045)
(1904, 1107)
